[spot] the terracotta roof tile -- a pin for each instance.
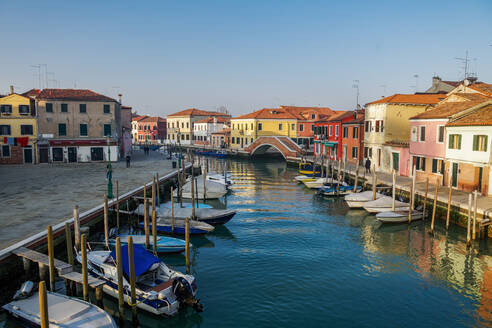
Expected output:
(139, 118)
(153, 119)
(482, 87)
(223, 131)
(32, 93)
(72, 94)
(340, 115)
(417, 99)
(197, 112)
(481, 116)
(445, 110)
(270, 113)
(219, 119)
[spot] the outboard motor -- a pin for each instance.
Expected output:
(24, 291)
(184, 294)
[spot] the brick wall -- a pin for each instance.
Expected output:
(16, 156)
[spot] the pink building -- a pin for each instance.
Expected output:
(428, 140)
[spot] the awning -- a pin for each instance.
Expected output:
(330, 144)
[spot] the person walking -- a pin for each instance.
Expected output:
(128, 158)
(368, 165)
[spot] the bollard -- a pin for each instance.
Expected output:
(449, 207)
(469, 219)
(187, 244)
(76, 226)
(131, 265)
(154, 232)
(425, 197)
(85, 278)
(117, 207)
(106, 231)
(474, 214)
(172, 210)
(43, 305)
(68, 239)
(434, 208)
(146, 223)
(51, 255)
(374, 183)
(119, 269)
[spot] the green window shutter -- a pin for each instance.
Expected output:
(450, 146)
(459, 141)
(485, 143)
(423, 163)
(107, 130)
(434, 165)
(475, 142)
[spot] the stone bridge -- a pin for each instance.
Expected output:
(284, 145)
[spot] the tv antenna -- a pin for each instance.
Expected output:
(465, 62)
(356, 86)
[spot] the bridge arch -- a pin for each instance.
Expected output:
(263, 147)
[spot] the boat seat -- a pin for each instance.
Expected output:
(162, 286)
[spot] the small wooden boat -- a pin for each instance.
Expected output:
(213, 190)
(63, 311)
(357, 200)
(160, 290)
(384, 204)
(338, 190)
(164, 244)
(307, 169)
(302, 178)
(320, 182)
(185, 205)
(166, 226)
(207, 215)
(398, 216)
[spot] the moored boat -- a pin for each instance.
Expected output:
(166, 226)
(384, 204)
(357, 200)
(213, 190)
(398, 216)
(164, 244)
(207, 215)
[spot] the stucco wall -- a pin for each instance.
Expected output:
(430, 147)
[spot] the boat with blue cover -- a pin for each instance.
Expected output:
(164, 244)
(166, 226)
(160, 290)
(338, 190)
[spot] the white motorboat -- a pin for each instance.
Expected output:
(160, 290)
(384, 204)
(208, 215)
(398, 216)
(301, 178)
(213, 190)
(321, 182)
(215, 177)
(63, 311)
(357, 200)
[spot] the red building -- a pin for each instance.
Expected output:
(151, 130)
(353, 139)
(328, 135)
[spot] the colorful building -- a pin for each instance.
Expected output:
(151, 130)
(18, 129)
(353, 139)
(328, 138)
(135, 127)
(203, 129)
(387, 129)
(221, 139)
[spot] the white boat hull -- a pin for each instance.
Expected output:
(358, 200)
(385, 209)
(398, 216)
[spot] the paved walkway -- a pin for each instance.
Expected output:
(35, 196)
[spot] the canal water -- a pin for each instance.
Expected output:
(290, 258)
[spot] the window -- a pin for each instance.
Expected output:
(331, 130)
(64, 108)
(106, 109)
(187, 137)
(396, 161)
(454, 141)
(62, 129)
(440, 134)
(6, 109)
(23, 109)
(366, 151)
(367, 127)
(252, 126)
(83, 130)
(420, 163)
(83, 108)
(57, 154)
(301, 127)
(312, 127)
(280, 127)
(4, 130)
(336, 130)
(480, 143)
(422, 133)
(381, 125)
(377, 126)
(107, 130)
(434, 165)
(49, 108)
(5, 151)
(232, 140)
(345, 132)
(354, 152)
(293, 127)
(413, 134)
(251, 140)
(26, 130)
(182, 125)
(97, 154)
(313, 116)
(260, 126)
(187, 125)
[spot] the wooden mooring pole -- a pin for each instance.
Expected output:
(158, 199)
(449, 206)
(154, 231)
(410, 206)
(119, 269)
(106, 223)
(468, 243)
(68, 240)
(356, 178)
(131, 265)
(187, 244)
(425, 197)
(205, 183)
(85, 278)
(117, 207)
(76, 227)
(43, 305)
(434, 208)
(374, 183)
(172, 210)
(474, 230)
(146, 223)
(51, 255)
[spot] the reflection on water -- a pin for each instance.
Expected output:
(290, 258)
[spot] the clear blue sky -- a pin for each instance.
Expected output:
(165, 56)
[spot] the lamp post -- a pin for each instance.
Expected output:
(109, 172)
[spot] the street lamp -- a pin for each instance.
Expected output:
(109, 172)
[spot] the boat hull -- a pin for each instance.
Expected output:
(398, 216)
(371, 209)
(167, 229)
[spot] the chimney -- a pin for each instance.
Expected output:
(11, 89)
(119, 97)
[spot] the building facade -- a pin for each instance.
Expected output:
(221, 139)
(135, 127)
(151, 130)
(77, 125)
(328, 139)
(203, 129)
(353, 139)
(18, 129)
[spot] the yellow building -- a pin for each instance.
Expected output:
(264, 122)
(180, 124)
(18, 129)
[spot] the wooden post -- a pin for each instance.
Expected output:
(344, 168)
(154, 231)
(356, 177)
(414, 177)
(119, 268)
(85, 284)
(434, 208)
(146, 223)
(469, 220)
(410, 207)
(117, 207)
(192, 198)
(205, 183)
(449, 207)
(374, 183)
(153, 194)
(51, 255)
(425, 197)
(131, 265)
(474, 231)
(158, 200)
(76, 226)
(393, 191)
(172, 210)
(106, 223)
(43, 305)
(99, 296)
(68, 240)
(187, 244)
(196, 192)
